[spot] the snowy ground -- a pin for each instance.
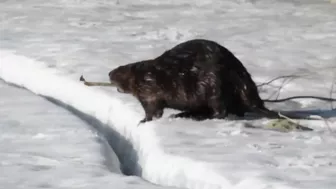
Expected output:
(89, 37)
(45, 146)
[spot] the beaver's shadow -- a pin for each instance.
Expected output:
(318, 113)
(314, 114)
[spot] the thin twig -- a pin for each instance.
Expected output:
(296, 97)
(285, 77)
(280, 77)
(325, 122)
(289, 80)
(331, 92)
(88, 83)
(298, 75)
(281, 86)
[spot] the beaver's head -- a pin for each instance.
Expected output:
(122, 77)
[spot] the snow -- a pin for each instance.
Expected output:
(46, 46)
(45, 146)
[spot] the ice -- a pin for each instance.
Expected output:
(46, 46)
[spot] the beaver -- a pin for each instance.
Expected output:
(199, 77)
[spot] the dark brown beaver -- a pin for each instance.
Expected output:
(199, 77)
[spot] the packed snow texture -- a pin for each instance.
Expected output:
(53, 43)
(45, 146)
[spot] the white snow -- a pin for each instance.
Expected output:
(46, 46)
(45, 146)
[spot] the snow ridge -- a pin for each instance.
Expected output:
(153, 164)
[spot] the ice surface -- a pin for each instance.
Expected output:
(271, 38)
